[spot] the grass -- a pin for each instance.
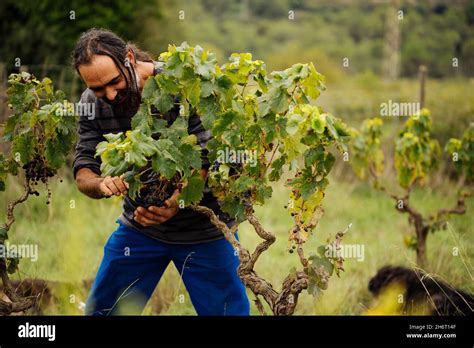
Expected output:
(72, 230)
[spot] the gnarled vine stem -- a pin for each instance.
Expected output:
(16, 303)
(281, 303)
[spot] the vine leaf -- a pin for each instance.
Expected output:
(192, 193)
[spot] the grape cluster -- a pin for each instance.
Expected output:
(36, 170)
(156, 191)
(146, 198)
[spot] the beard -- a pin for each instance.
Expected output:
(127, 101)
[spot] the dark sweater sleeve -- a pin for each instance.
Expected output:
(203, 136)
(88, 135)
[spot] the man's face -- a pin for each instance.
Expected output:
(104, 79)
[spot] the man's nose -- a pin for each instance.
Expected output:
(110, 93)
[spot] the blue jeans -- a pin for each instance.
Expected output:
(133, 264)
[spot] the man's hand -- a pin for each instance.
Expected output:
(110, 186)
(95, 186)
(156, 215)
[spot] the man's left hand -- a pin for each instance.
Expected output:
(154, 215)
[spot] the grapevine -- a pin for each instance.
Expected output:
(261, 124)
(41, 133)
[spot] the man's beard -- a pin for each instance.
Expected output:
(127, 101)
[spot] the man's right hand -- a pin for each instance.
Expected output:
(93, 185)
(115, 185)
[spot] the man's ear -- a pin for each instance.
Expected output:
(130, 57)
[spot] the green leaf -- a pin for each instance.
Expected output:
(163, 102)
(313, 83)
(313, 155)
(313, 289)
(12, 265)
(175, 65)
(223, 123)
(277, 167)
(252, 135)
(114, 137)
(208, 110)
(168, 84)
(293, 123)
(243, 183)
(25, 145)
(192, 155)
(158, 125)
(329, 162)
(205, 70)
(193, 192)
(194, 92)
(331, 128)
(263, 106)
(164, 166)
(136, 157)
(190, 139)
(308, 188)
(133, 187)
(317, 262)
(263, 192)
(206, 88)
(234, 207)
(10, 127)
(279, 100)
(146, 147)
(140, 121)
(223, 82)
(3, 233)
(151, 86)
(53, 153)
(318, 123)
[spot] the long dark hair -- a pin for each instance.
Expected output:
(104, 42)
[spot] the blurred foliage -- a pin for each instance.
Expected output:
(324, 32)
(462, 152)
(432, 32)
(45, 31)
(416, 153)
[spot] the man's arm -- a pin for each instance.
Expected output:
(95, 186)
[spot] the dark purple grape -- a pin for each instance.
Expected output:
(215, 166)
(155, 191)
(36, 170)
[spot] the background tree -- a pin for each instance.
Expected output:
(416, 155)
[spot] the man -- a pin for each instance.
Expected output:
(147, 240)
